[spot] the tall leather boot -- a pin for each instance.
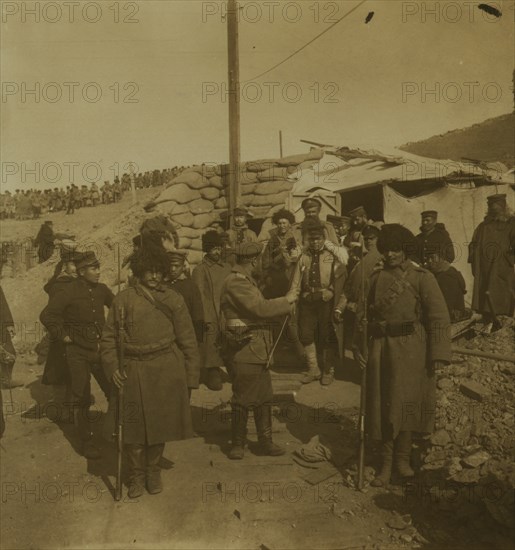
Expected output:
(385, 475)
(328, 367)
(239, 417)
(153, 470)
(263, 420)
(312, 362)
(403, 454)
(136, 469)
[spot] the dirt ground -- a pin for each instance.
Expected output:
(52, 497)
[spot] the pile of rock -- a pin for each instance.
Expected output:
(473, 444)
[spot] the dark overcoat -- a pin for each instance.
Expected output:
(400, 379)
(492, 254)
(209, 277)
(161, 362)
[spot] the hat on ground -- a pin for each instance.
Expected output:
(500, 198)
(177, 255)
(247, 250)
(358, 211)
(310, 201)
(87, 259)
(211, 239)
(396, 237)
(337, 220)
(429, 213)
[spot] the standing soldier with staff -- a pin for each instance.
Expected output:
(248, 346)
(408, 339)
(161, 367)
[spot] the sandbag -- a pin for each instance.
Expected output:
(180, 192)
(272, 187)
(201, 206)
(221, 203)
(216, 181)
(184, 219)
(248, 189)
(192, 179)
(180, 209)
(248, 177)
(275, 173)
(265, 200)
(201, 221)
(189, 232)
(185, 242)
(210, 193)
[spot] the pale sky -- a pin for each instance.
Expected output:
(174, 50)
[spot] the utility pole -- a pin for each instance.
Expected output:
(234, 104)
(281, 143)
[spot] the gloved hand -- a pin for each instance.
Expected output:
(118, 379)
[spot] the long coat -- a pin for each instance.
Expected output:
(492, 253)
(209, 277)
(438, 241)
(400, 380)
(161, 362)
(6, 321)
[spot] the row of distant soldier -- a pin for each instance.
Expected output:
(32, 203)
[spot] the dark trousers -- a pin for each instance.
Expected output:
(251, 384)
(315, 324)
(82, 363)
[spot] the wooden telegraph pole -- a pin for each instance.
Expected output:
(281, 143)
(234, 104)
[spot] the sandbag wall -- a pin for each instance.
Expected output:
(198, 196)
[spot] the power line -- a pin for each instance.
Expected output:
(307, 44)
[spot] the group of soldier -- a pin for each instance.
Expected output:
(32, 203)
(346, 283)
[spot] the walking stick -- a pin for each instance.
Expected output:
(363, 393)
(119, 411)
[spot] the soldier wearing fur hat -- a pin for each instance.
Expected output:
(75, 317)
(319, 278)
(492, 254)
(408, 339)
(433, 239)
(161, 368)
(248, 345)
(209, 276)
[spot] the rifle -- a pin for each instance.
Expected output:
(363, 393)
(119, 409)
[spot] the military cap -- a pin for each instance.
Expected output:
(429, 213)
(68, 251)
(358, 211)
(211, 239)
(248, 250)
(241, 211)
(177, 254)
(310, 201)
(396, 237)
(370, 230)
(87, 259)
(310, 225)
(337, 220)
(496, 198)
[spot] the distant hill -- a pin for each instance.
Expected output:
(490, 140)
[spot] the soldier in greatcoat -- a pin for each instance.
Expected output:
(492, 255)
(248, 347)
(75, 317)
(408, 339)
(161, 368)
(209, 276)
(433, 238)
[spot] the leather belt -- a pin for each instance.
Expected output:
(384, 328)
(147, 354)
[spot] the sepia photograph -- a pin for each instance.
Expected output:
(257, 275)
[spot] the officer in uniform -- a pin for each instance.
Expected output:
(433, 239)
(75, 316)
(247, 347)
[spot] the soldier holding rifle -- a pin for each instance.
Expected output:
(161, 367)
(408, 339)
